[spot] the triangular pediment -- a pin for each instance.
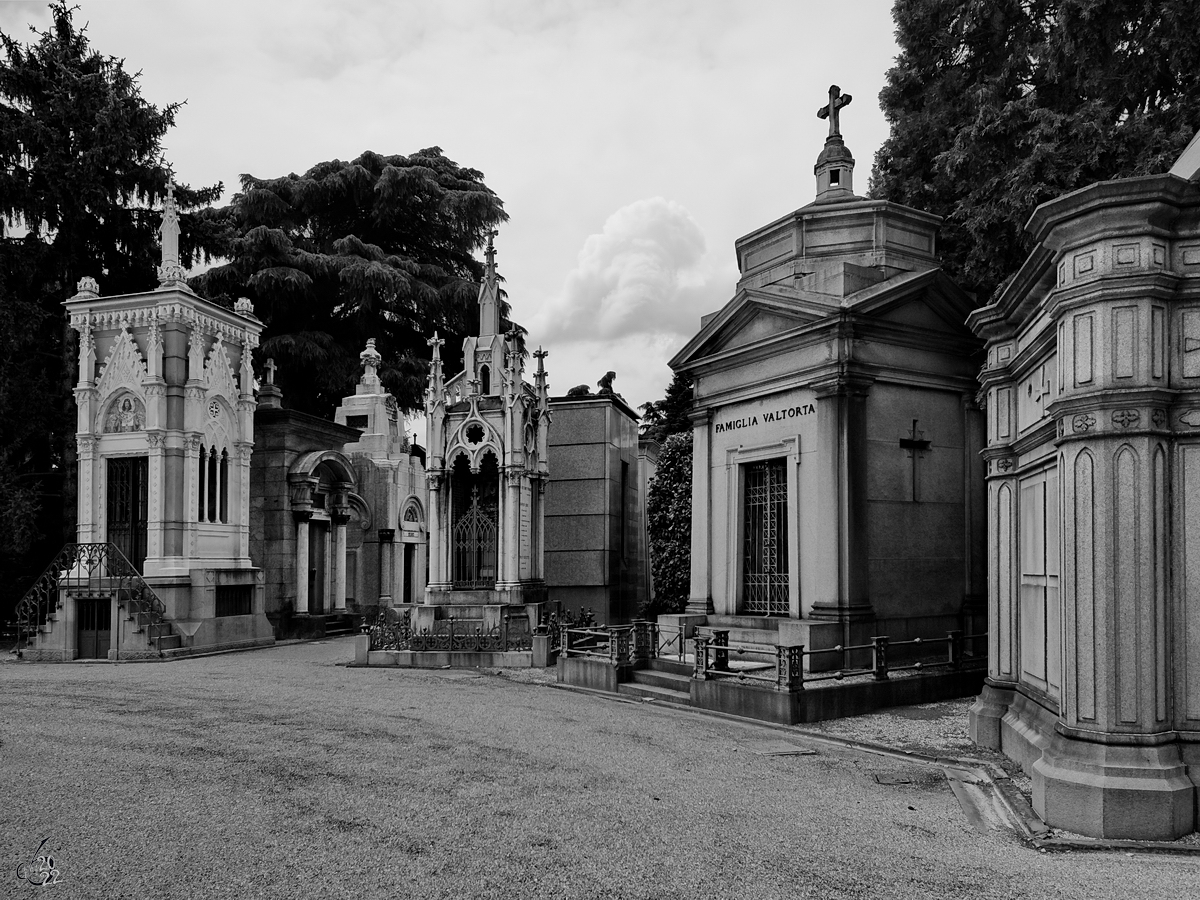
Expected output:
(751, 317)
(928, 301)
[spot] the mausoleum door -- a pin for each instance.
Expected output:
(126, 506)
(94, 615)
(765, 548)
(1040, 614)
(474, 527)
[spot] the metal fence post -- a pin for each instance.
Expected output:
(879, 650)
(955, 645)
(720, 643)
(701, 662)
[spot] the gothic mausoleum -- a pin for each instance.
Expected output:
(837, 488)
(488, 447)
(1092, 385)
(165, 427)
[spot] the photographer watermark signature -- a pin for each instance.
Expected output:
(41, 871)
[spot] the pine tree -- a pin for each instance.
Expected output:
(81, 168)
(662, 418)
(999, 105)
(380, 247)
(669, 526)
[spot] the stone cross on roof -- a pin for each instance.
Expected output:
(830, 111)
(270, 367)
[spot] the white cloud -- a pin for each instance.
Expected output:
(646, 273)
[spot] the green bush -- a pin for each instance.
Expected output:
(669, 521)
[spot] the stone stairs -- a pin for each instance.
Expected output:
(758, 635)
(159, 633)
(665, 680)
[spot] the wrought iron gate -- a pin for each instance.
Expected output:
(126, 519)
(473, 540)
(765, 556)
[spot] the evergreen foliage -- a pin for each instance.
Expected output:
(662, 418)
(669, 524)
(996, 106)
(81, 169)
(378, 247)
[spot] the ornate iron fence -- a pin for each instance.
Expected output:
(786, 671)
(87, 570)
(391, 631)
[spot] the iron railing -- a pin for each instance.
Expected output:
(394, 631)
(786, 672)
(84, 571)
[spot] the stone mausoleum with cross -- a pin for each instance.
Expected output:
(488, 470)
(837, 482)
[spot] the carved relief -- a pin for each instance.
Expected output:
(126, 413)
(1082, 423)
(1159, 418)
(1190, 417)
(1126, 418)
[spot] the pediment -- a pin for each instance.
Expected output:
(927, 301)
(750, 318)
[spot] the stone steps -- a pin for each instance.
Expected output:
(650, 692)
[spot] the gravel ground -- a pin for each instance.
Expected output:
(281, 773)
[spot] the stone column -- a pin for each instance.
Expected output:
(700, 598)
(387, 555)
(340, 520)
(86, 497)
(301, 518)
(436, 538)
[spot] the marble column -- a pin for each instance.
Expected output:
(387, 555)
(302, 561)
(340, 520)
(700, 597)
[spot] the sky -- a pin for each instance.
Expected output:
(631, 142)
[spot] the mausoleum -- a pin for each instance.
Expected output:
(165, 402)
(837, 488)
(337, 508)
(488, 447)
(1092, 386)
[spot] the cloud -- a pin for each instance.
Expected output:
(646, 273)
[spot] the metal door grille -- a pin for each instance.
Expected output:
(764, 560)
(127, 507)
(474, 544)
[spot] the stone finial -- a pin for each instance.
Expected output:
(87, 288)
(243, 307)
(371, 360)
(490, 254)
(830, 111)
(170, 272)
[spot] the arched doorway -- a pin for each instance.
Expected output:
(474, 531)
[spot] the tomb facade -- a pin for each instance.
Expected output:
(1092, 386)
(165, 425)
(488, 450)
(837, 486)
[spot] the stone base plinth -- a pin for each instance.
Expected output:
(983, 719)
(1107, 790)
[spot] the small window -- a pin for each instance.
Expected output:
(485, 380)
(235, 599)
(359, 422)
(835, 176)
(318, 501)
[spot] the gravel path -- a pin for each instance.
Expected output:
(281, 773)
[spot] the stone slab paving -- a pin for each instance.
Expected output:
(282, 773)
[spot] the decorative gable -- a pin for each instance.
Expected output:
(123, 367)
(218, 373)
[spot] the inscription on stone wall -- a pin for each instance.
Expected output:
(767, 415)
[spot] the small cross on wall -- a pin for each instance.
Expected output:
(915, 444)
